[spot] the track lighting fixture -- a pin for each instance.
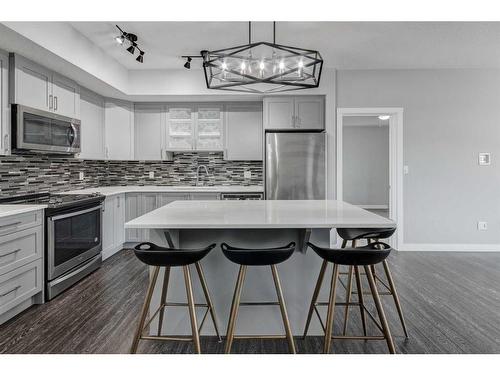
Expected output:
(140, 58)
(187, 65)
(131, 49)
(131, 40)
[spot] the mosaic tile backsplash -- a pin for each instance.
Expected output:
(27, 174)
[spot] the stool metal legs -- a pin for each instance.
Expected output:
(191, 305)
(331, 310)
(192, 312)
(394, 293)
(163, 299)
(391, 290)
(230, 336)
(208, 299)
(380, 310)
(359, 288)
(284, 315)
(314, 299)
(145, 308)
(234, 308)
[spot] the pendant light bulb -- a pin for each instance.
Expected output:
(243, 67)
(223, 65)
(282, 66)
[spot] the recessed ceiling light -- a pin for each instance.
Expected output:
(384, 117)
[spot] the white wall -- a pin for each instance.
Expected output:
(366, 165)
(449, 117)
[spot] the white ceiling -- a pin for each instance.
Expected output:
(344, 45)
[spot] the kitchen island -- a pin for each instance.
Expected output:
(265, 223)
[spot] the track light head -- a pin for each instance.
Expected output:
(120, 39)
(187, 65)
(131, 49)
(140, 58)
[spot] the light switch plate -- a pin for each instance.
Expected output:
(247, 174)
(151, 174)
(482, 225)
(406, 169)
(484, 158)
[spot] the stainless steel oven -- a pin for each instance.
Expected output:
(40, 131)
(74, 245)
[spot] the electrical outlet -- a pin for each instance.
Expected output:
(484, 158)
(482, 225)
(151, 174)
(247, 174)
(406, 169)
(81, 176)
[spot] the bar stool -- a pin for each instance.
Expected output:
(370, 234)
(167, 258)
(258, 257)
(365, 256)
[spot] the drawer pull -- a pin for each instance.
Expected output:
(10, 224)
(10, 252)
(10, 291)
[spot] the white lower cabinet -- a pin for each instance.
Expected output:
(113, 221)
(133, 210)
(21, 263)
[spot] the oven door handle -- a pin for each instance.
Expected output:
(76, 213)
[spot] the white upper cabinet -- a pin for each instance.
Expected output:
(278, 112)
(309, 112)
(180, 128)
(92, 128)
(195, 127)
(209, 128)
(149, 131)
(119, 130)
(38, 87)
(243, 131)
(4, 104)
(294, 113)
(66, 96)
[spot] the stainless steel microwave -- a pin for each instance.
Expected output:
(35, 130)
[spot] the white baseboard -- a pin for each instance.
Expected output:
(109, 252)
(448, 247)
(373, 206)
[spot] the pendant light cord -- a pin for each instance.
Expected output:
(274, 32)
(250, 32)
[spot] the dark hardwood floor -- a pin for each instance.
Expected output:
(451, 303)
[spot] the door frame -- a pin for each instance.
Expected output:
(395, 161)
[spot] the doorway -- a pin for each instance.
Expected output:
(370, 162)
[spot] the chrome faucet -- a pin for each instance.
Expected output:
(198, 173)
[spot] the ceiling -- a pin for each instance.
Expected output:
(344, 45)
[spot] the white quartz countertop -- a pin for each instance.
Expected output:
(259, 214)
(113, 190)
(14, 209)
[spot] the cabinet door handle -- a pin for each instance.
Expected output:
(55, 103)
(51, 101)
(10, 291)
(10, 252)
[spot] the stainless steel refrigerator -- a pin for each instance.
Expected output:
(295, 165)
